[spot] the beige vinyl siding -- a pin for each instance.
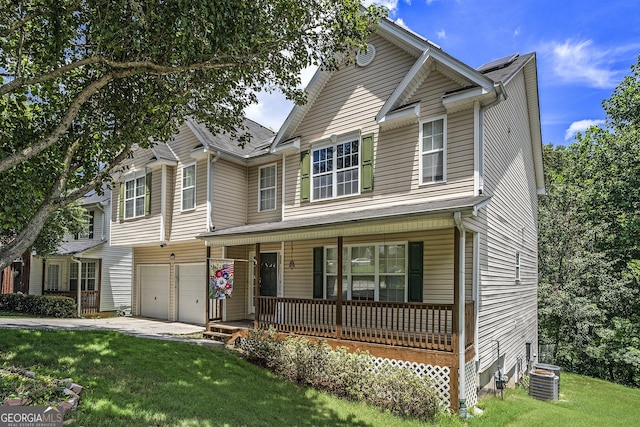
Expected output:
(508, 307)
(254, 216)
(236, 307)
(229, 194)
(397, 151)
(146, 229)
(184, 253)
(188, 223)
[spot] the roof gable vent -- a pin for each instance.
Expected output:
(364, 58)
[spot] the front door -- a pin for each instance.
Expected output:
(268, 274)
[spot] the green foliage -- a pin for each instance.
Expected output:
(39, 305)
(589, 295)
(347, 375)
(74, 97)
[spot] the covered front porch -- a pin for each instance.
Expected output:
(401, 288)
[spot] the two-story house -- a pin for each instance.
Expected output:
(394, 212)
(86, 266)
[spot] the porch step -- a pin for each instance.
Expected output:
(224, 333)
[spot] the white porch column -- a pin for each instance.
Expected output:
(462, 390)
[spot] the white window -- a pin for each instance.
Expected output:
(189, 187)
(88, 279)
(53, 277)
(134, 194)
(89, 218)
(371, 272)
(267, 188)
(517, 268)
(335, 171)
(433, 150)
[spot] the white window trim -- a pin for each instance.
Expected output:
(334, 141)
(90, 234)
(377, 272)
(518, 265)
(85, 275)
(133, 177)
(182, 188)
(275, 187)
(46, 285)
(444, 149)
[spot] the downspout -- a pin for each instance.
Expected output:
(77, 261)
(212, 160)
(283, 186)
(462, 392)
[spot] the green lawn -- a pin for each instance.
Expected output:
(133, 381)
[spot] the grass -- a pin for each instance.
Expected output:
(132, 381)
(583, 401)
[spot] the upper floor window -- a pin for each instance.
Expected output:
(335, 170)
(189, 187)
(89, 218)
(267, 188)
(433, 150)
(134, 194)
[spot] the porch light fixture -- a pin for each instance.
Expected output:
(292, 263)
(172, 257)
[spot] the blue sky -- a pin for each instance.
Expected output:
(584, 49)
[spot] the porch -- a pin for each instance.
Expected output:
(89, 300)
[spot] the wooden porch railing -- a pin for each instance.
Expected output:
(414, 325)
(89, 300)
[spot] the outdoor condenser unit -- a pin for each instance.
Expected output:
(543, 384)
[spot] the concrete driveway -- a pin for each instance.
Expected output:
(137, 326)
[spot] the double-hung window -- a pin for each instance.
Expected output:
(433, 150)
(134, 194)
(89, 218)
(371, 272)
(88, 278)
(267, 188)
(189, 187)
(335, 170)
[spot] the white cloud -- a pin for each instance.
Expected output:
(580, 126)
(401, 22)
(392, 5)
(442, 34)
(580, 61)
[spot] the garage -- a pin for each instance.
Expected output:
(192, 303)
(154, 291)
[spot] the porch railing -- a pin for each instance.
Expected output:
(89, 300)
(415, 325)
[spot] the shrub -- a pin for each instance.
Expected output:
(347, 375)
(39, 305)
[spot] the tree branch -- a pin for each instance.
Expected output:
(20, 23)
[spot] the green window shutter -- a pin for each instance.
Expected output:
(121, 215)
(366, 155)
(415, 271)
(305, 176)
(147, 195)
(318, 272)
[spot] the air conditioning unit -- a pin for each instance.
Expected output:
(543, 384)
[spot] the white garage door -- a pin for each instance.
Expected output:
(192, 303)
(154, 291)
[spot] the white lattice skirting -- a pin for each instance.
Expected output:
(471, 384)
(441, 375)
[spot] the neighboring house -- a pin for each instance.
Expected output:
(15, 277)
(86, 267)
(395, 212)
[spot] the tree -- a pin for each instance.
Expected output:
(84, 80)
(589, 295)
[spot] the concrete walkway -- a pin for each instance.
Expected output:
(147, 328)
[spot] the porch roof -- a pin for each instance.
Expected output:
(76, 246)
(391, 219)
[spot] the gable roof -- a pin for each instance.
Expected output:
(261, 138)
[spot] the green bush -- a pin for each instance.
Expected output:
(347, 375)
(39, 305)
